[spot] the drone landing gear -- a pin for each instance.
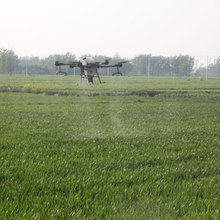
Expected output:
(82, 75)
(89, 77)
(98, 77)
(117, 73)
(61, 72)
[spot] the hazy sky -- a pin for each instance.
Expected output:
(129, 27)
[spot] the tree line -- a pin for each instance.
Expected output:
(141, 65)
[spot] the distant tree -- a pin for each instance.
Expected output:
(8, 60)
(45, 65)
(141, 64)
(162, 66)
(183, 65)
(218, 65)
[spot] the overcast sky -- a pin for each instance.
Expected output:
(126, 27)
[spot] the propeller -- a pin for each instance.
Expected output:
(126, 61)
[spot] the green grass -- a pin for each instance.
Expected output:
(109, 150)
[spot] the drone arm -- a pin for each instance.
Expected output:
(71, 65)
(115, 65)
(118, 65)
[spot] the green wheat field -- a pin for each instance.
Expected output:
(129, 148)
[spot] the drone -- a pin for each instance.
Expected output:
(89, 68)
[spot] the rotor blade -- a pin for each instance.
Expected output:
(126, 61)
